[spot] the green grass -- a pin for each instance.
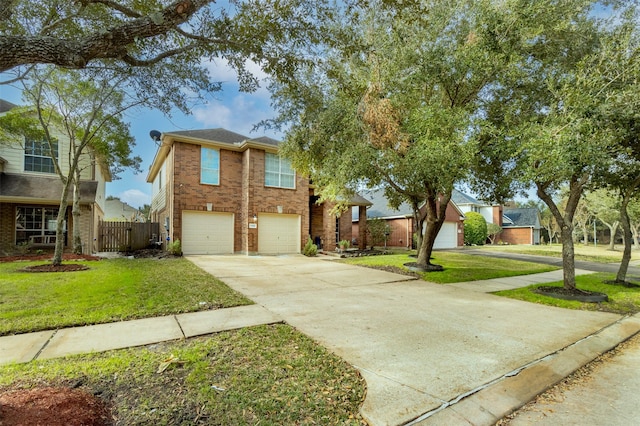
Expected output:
(458, 267)
(599, 253)
(622, 300)
(111, 290)
(271, 375)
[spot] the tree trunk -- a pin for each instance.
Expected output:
(568, 257)
(62, 214)
(626, 230)
(613, 230)
(436, 213)
(585, 235)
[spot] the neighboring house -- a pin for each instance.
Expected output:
(221, 192)
(118, 211)
(30, 193)
(520, 226)
(401, 223)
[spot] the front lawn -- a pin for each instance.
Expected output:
(271, 375)
(111, 290)
(458, 267)
(622, 300)
(590, 253)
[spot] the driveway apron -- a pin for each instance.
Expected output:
(420, 346)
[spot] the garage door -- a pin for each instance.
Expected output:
(447, 237)
(207, 233)
(278, 233)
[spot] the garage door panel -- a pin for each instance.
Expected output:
(207, 233)
(278, 233)
(447, 237)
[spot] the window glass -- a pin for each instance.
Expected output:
(278, 172)
(38, 156)
(209, 166)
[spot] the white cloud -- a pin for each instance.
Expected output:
(135, 197)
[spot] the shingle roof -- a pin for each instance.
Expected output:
(6, 106)
(380, 206)
(522, 217)
(461, 199)
(221, 135)
(42, 187)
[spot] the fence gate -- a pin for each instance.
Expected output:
(126, 236)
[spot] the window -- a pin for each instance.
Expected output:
(278, 172)
(209, 166)
(36, 224)
(38, 157)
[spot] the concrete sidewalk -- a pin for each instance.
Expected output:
(118, 335)
(430, 353)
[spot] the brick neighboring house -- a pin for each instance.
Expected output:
(519, 225)
(221, 192)
(401, 223)
(30, 194)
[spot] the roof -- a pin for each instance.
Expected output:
(219, 136)
(380, 206)
(461, 199)
(521, 217)
(21, 187)
(116, 209)
(6, 106)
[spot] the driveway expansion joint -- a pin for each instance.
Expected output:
(45, 345)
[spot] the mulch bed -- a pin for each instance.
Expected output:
(65, 267)
(572, 294)
(52, 406)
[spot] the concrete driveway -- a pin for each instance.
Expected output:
(423, 348)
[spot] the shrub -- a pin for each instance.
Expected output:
(175, 248)
(344, 244)
(475, 229)
(377, 229)
(310, 249)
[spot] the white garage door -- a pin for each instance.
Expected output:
(278, 233)
(207, 233)
(447, 237)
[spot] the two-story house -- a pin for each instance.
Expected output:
(220, 192)
(30, 192)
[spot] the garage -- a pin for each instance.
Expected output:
(278, 233)
(207, 233)
(447, 237)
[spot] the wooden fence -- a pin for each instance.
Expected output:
(126, 236)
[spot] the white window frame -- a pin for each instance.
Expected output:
(284, 169)
(39, 150)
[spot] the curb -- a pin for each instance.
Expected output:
(488, 404)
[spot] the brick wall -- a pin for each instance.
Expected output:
(516, 236)
(7, 228)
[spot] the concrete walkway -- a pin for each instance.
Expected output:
(118, 335)
(430, 353)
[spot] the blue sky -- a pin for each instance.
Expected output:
(229, 108)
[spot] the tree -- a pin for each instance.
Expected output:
(162, 48)
(605, 206)
(395, 101)
(544, 127)
(86, 111)
(475, 229)
(377, 230)
(493, 230)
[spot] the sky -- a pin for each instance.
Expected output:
(230, 109)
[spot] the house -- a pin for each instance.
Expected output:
(520, 226)
(401, 222)
(116, 211)
(30, 193)
(220, 192)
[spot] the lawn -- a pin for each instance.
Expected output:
(270, 375)
(591, 253)
(622, 300)
(111, 290)
(458, 267)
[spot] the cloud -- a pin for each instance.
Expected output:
(135, 197)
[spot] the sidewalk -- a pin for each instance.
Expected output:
(118, 335)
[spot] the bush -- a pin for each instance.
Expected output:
(377, 229)
(310, 249)
(175, 248)
(475, 229)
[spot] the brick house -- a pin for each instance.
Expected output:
(401, 223)
(221, 192)
(30, 193)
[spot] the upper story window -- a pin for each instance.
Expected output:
(278, 172)
(38, 156)
(209, 166)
